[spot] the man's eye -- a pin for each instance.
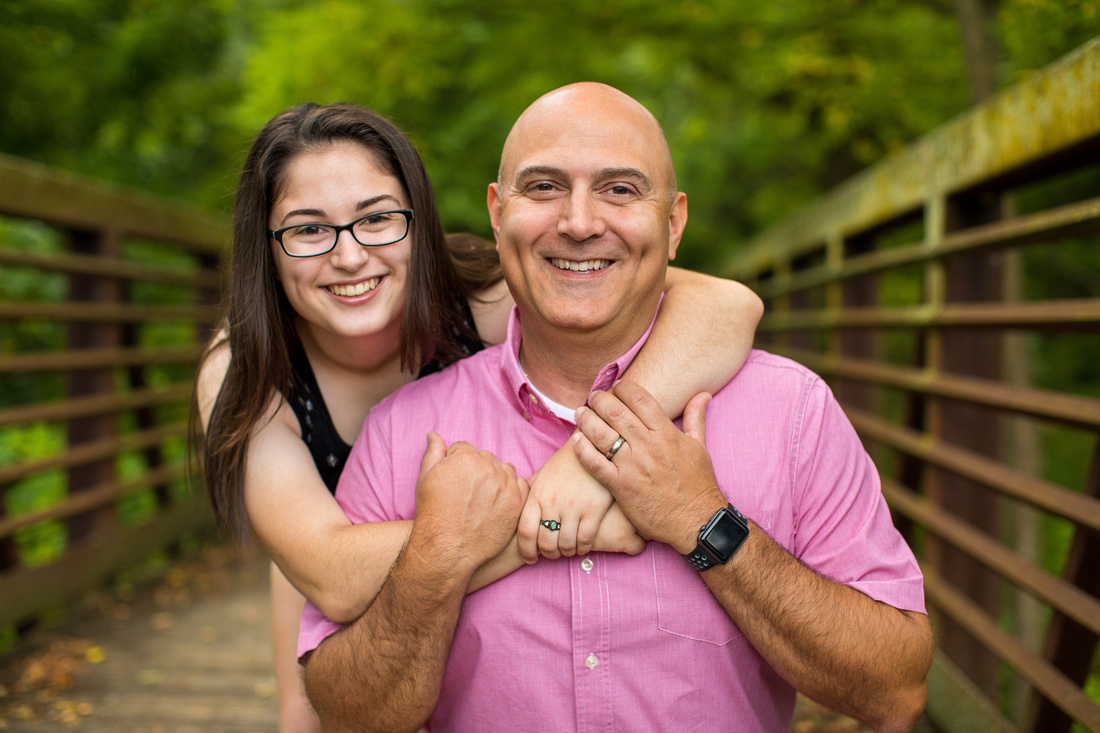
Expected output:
(620, 190)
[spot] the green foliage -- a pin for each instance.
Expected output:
(22, 284)
(1036, 32)
(127, 90)
(44, 541)
(764, 104)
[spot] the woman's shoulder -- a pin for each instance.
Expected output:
(212, 371)
(211, 377)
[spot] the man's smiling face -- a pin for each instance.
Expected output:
(585, 213)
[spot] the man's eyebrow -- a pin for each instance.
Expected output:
(626, 173)
(548, 171)
(537, 171)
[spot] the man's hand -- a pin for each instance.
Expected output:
(467, 505)
(662, 477)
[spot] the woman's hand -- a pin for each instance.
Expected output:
(563, 491)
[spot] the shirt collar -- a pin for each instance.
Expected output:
(520, 388)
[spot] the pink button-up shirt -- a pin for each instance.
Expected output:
(610, 642)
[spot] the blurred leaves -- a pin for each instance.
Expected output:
(44, 541)
(765, 104)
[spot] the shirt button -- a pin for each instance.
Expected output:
(586, 565)
(533, 398)
(527, 416)
(591, 661)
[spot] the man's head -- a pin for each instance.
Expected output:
(586, 214)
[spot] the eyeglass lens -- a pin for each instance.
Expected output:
(372, 230)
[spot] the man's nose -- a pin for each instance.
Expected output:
(581, 218)
(348, 254)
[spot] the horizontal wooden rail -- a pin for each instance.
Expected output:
(1032, 667)
(1011, 132)
(95, 359)
(1067, 315)
(110, 268)
(108, 312)
(94, 498)
(34, 191)
(96, 405)
(1067, 598)
(1083, 510)
(981, 327)
(95, 451)
(134, 270)
(1071, 410)
(1072, 220)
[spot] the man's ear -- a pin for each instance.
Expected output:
(677, 220)
(492, 200)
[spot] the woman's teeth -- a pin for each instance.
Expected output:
(586, 266)
(356, 289)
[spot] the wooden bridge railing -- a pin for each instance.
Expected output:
(951, 296)
(105, 296)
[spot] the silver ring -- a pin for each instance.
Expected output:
(551, 524)
(615, 448)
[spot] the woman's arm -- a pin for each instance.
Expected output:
(701, 338)
(335, 564)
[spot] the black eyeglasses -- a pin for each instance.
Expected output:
(373, 230)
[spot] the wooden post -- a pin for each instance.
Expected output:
(81, 383)
(1069, 645)
(975, 353)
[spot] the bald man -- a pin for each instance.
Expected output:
(771, 566)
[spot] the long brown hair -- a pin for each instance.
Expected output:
(259, 318)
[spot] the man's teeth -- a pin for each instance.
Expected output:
(356, 289)
(586, 266)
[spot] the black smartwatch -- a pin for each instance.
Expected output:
(719, 538)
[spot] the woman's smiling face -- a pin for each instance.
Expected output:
(352, 291)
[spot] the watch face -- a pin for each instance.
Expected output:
(725, 536)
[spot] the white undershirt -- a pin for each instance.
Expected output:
(565, 413)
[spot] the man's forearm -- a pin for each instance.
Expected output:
(831, 642)
(383, 672)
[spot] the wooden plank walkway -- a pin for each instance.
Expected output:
(188, 652)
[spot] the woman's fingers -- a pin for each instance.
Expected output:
(528, 529)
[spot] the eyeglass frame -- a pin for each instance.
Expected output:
(277, 234)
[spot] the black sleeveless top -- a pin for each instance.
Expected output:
(328, 449)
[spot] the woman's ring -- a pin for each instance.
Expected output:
(551, 524)
(615, 448)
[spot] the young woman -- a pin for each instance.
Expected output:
(343, 288)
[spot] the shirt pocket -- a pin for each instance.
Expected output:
(685, 605)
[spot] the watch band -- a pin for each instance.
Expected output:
(705, 556)
(700, 560)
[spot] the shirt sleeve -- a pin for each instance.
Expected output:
(366, 488)
(365, 492)
(843, 528)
